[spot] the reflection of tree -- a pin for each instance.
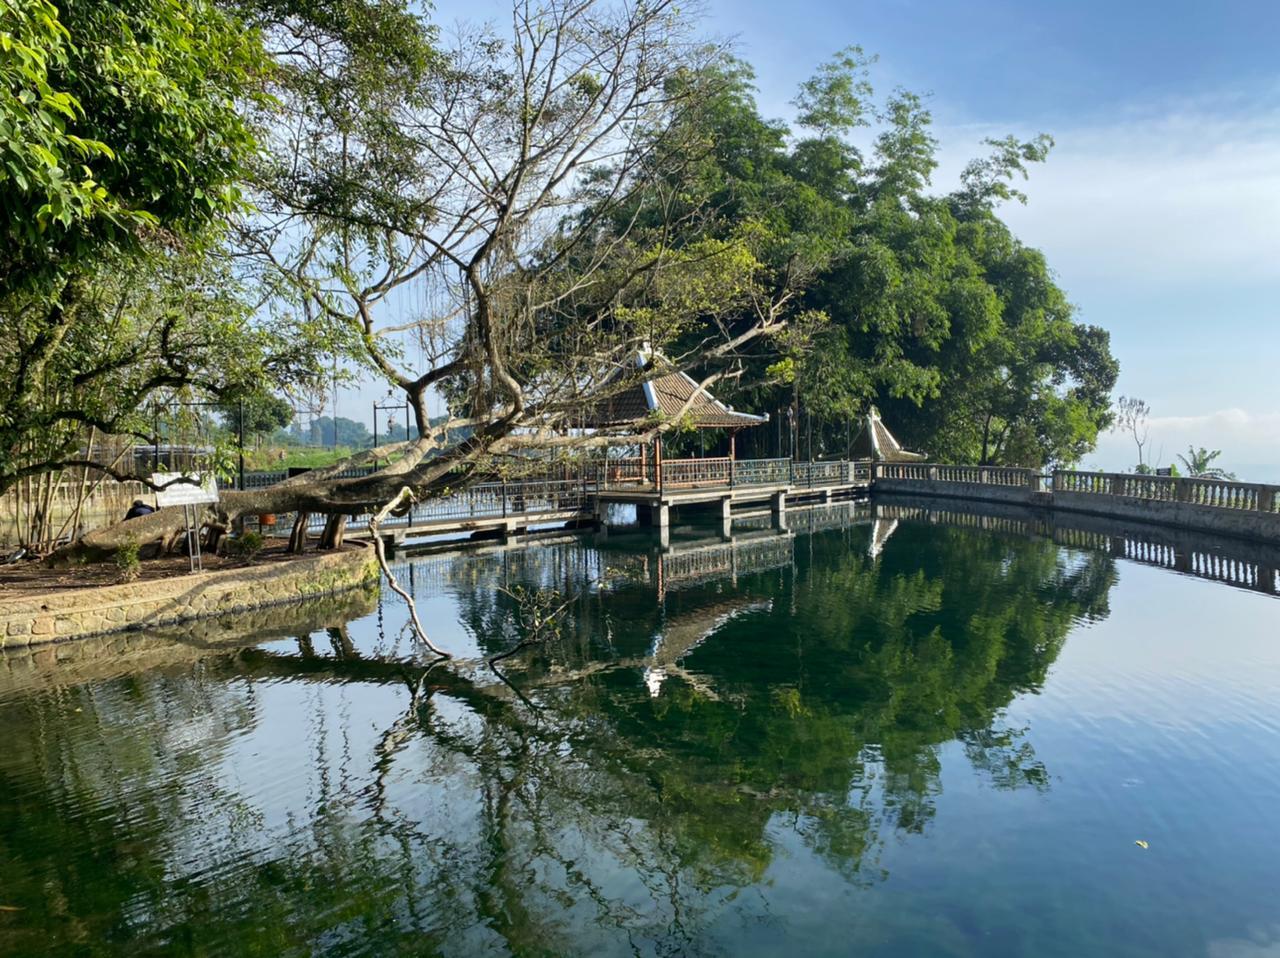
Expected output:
(604, 820)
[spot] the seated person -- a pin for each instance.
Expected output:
(139, 508)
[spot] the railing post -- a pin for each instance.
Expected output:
(1266, 498)
(504, 497)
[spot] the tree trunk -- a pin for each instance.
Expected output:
(335, 528)
(298, 537)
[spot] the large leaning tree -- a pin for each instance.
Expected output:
(497, 220)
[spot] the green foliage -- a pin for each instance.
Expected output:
(129, 331)
(1199, 464)
(246, 545)
(924, 304)
(126, 141)
(256, 412)
(117, 120)
(127, 559)
(837, 98)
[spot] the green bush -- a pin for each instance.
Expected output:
(246, 545)
(127, 559)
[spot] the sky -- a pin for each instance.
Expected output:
(1158, 209)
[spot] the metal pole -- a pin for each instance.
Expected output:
(240, 440)
(195, 538)
(191, 552)
(375, 425)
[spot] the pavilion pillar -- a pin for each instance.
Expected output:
(657, 461)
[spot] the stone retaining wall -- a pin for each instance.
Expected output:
(53, 616)
(1018, 495)
(102, 657)
(1246, 523)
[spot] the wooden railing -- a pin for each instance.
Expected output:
(634, 470)
(722, 471)
(820, 473)
(1218, 493)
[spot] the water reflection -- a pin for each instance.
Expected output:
(709, 713)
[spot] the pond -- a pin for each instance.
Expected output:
(887, 737)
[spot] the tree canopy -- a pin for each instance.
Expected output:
(922, 302)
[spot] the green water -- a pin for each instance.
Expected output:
(917, 739)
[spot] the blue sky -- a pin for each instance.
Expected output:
(1159, 209)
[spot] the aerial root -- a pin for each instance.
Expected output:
(403, 497)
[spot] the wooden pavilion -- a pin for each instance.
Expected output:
(648, 389)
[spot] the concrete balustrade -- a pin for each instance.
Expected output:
(983, 483)
(1247, 510)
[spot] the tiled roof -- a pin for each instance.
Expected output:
(874, 441)
(665, 395)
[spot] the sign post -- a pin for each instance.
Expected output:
(189, 490)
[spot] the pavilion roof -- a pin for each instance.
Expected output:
(665, 394)
(875, 441)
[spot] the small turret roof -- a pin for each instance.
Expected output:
(875, 441)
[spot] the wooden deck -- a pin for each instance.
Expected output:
(514, 507)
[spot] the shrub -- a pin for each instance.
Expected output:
(127, 559)
(246, 545)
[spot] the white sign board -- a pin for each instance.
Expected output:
(175, 493)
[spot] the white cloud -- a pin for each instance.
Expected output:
(1179, 197)
(1250, 443)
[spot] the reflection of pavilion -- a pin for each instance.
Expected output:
(683, 633)
(689, 564)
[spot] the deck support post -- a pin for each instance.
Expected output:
(778, 509)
